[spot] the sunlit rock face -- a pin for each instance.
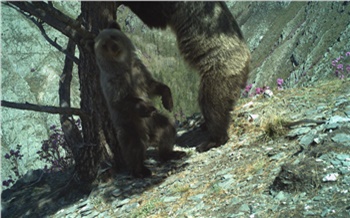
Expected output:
(295, 41)
(30, 71)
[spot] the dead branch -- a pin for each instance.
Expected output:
(47, 109)
(53, 17)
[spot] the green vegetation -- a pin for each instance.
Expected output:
(146, 209)
(158, 51)
(274, 127)
(180, 188)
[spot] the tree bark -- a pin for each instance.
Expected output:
(98, 130)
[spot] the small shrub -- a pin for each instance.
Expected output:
(56, 152)
(274, 127)
(259, 90)
(280, 84)
(341, 66)
(247, 90)
(14, 156)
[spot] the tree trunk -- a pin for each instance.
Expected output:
(98, 133)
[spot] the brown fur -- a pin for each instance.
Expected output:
(127, 86)
(211, 41)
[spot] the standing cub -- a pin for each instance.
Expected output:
(127, 87)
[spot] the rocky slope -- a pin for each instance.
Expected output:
(296, 41)
(265, 170)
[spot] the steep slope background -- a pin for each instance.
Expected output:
(295, 41)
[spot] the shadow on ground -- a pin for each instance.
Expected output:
(42, 194)
(193, 138)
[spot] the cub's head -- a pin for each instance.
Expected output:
(113, 45)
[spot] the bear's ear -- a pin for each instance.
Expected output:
(114, 25)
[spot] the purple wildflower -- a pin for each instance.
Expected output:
(7, 156)
(340, 66)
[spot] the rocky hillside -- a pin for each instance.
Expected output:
(30, 70)
(295, 41)
(271, 167)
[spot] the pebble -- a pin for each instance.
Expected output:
(171, 199)
(332, 177)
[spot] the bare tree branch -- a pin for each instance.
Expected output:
(52, 42)
(47, 109)
(61, 22)
(39, 24)
(72, 135)
(66, 77)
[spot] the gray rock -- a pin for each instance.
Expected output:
(321, 108)
(344, 170)
(310, 112)
(197, 197)
(281, 196)
(325, 212)
(338, 119)
(244, 208)
(342, 138)
(341, 101)
(332, 177)
(299, 197)
(227, 184)
(121, 203)
(171, 199)
(345, 158)
(268, 93)
(104, 215)
(195, 186)
(129, 207)
(223, 171)
(241, 214)
(278, 156)
(332, 126)
(309, 213)
(308, 138)
(117, 192)
(346, 180)
(198, 207)
(87, 210)
(32, 176)
(347, 113)
(92, 214)
(236, 200)
(299, 131)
